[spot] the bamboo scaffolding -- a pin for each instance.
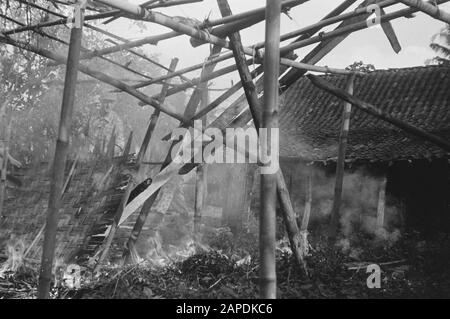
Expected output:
(340, 165)
(351, 28)
(239, 25)
(58, 22)
(104, 32)
(59, 162)
(305, 32)
(369, 108)
(428, 8)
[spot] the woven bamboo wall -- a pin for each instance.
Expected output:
(83, 205)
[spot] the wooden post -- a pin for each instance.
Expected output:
(129, 252)
(111, 145)
(59, 162)
(267, 228)
(381, 203)
(308, 202)
(201, 178)
(4, 168)
(155, 116)
(340, 165)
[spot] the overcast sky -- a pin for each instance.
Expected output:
(370, 46)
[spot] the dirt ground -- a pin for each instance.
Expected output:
(412, 267)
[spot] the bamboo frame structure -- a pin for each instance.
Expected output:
(237, 115)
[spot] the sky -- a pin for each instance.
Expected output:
(370, 45)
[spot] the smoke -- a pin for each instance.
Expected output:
(360, 195)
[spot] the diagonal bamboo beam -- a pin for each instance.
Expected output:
(239, 25)
(44, 34)
(373, 110)
(428, 8)
(305, 33)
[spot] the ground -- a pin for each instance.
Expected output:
(412, 267)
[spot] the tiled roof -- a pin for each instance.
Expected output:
(310, 118)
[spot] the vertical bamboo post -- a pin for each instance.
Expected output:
(381, 203)
(267, 229)
(340, 165)
(111, 145)
(308, 203)
(4, 168)
(130, 247)
(155, 116)
(251, 94)
(201, 178)
(59, 162)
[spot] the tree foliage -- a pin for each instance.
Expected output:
(440, 43)
(34, 88)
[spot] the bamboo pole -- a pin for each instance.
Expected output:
(239, 25)
(267, 228)
(314, 68)
(308, 202)
(104, 32)
(381, 204)
(4, 168)
(43, 34)
(59, 162)
(148, 203)
(340, 165)
(369, 108)
(154, 118)
(430, 9)
(130, 247)
(255, 108)
(200, 181)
